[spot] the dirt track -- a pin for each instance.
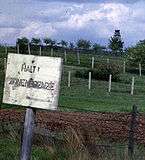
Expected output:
(108, 125)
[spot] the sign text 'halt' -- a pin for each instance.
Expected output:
(32, 81)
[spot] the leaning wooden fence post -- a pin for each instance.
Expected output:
(5, 64)
(65, 56)
(107, 60)
(69, 78)
(51, 51)
(89, 85)
(28, 132)
(29, 50)
(124, 67)
(140, 69)
(132, 131)
(18, 49)
(93, 62)
(40, 50)
(132, 86)
(78, 57)
(110, 79)
(6, 49)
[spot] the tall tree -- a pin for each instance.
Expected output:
(63, 43)
(71, 45)
(98, 48)
(36, 41)
(116, 43)
(47, 41)
(23, 44)
(136, 54)
(83, 44)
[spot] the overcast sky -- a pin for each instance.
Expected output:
(94, 20)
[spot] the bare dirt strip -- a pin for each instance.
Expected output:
(107, 125)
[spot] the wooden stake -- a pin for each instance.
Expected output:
(107, 60)
(132, 129)
(110, 79)
(65, 56)
(5, 64)
(78, 57)
(18, 49)
(89, 85)
(29, 125)
(69, 78)
(140, 69)
(29, 50)
(40, 51)
(124, 67)
(132, 86)
(6, 49)
(51, 51)
(93, 62)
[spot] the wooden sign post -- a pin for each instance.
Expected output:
(28, 132)
(28, 84)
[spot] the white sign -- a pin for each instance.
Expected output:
(32, 81)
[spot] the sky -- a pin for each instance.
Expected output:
(70, 20)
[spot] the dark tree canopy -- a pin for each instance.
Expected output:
(116, 43)
(83, 44)
(36, 41)
(23, 44)
(136, 54)
(49, 42)
(63, 43)
(98, 48)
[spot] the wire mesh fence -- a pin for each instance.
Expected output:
(75, 135)
(85, 133)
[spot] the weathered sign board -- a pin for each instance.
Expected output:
(32, 81)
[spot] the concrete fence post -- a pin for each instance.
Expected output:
(93, 62)
(110, 79)
(89, 85)
(132, 86)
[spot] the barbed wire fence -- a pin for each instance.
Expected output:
(81, 133)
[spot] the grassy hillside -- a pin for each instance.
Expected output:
(78, 97)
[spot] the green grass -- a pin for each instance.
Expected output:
(79, 98)
(10, 150)
(98, 99)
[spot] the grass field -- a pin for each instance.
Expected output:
(79, 98)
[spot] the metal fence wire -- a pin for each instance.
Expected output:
(76, 131)
(76, 135)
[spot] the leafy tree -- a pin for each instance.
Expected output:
(83, 44)
(116, 43)
(63, 43)
(98, 48)
(47, 41)
(23, 44)
(36, 41)
(136, 54)
(71, 45)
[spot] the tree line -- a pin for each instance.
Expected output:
(115, 45)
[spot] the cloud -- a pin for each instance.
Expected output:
(70, 20)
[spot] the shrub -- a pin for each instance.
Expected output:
(136, 54)
(101, 72)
